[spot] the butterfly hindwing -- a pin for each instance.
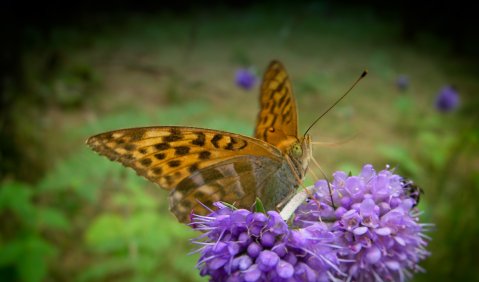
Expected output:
(277, 118)
(238, 181)
(168, 154)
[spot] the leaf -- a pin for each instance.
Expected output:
(52, 218)
(107, 233)
(32, 265)
(17, 198)
(11, 252)
(258, 206)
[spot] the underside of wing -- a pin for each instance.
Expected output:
(277, 118)
(169, 154)
(236, 181)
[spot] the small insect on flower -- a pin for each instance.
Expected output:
(245, 79)
(412, 190)
(447, 99)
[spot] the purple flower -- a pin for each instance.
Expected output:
(402, 82)
(447, 99)
(374, 222)
(245, 79)
(239, 245)
(369, 232)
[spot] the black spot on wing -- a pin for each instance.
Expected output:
(182, 150)
(160, 156)
(174, 163)
(204, 155)
(215, 140)
(230, 145)
(281, 101)
(129, 147)
(146, 162)
(175, 135)
(162, 146)
(200, 139)
(193, 168)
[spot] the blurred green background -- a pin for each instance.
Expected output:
(68, 214)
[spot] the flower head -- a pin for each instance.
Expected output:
(447, 99)
(402, 82)
(367, 229)
(239, 245)
(245, 79)
(374, 221)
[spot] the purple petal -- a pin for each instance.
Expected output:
(254, 249)
(360, 230)
(252, 274)
(384, 231)
(280, 249)
(284, 269)
(233, 248)
(243, 262)
(400, 241)
(367, 207)
(303, 272)
(267, 260)
(268, 239)
(393, 265)
(373, 255)
(291, 258)
(216, 263)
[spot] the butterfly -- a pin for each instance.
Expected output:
(201, 166)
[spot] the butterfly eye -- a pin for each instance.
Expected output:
(297, 151)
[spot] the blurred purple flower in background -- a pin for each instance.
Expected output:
(402, 82)
(371, 233)
(447, 99)
(245, 78)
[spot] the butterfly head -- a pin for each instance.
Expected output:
(299, 151)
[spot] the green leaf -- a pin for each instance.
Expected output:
(52, 218)
(11, 252)
(17, 197)
(258, 206)
(107, 233)
(32, 266)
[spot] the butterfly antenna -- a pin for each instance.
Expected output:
(365, 72)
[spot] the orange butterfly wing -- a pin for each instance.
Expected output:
(168, 154)
(278, 118)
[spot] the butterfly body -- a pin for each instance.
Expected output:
(200, 166)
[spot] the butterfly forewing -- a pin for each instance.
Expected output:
(173, 156)
(277, 118)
